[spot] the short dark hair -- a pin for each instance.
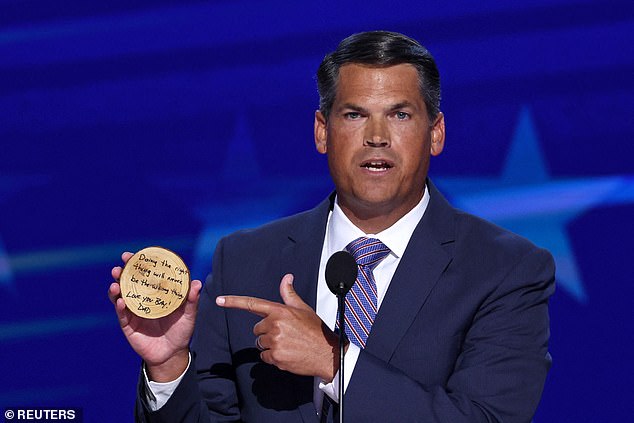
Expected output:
(380, 49)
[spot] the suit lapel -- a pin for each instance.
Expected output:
(302, 253)
(427, 255)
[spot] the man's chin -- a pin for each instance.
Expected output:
(381, 203)
(372, 204)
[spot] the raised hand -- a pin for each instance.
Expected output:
(162, 343)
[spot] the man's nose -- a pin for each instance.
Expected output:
(376, 134)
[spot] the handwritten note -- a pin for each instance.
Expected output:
(154, 282)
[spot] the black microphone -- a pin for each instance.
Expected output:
(341, 274)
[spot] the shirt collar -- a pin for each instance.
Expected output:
(341, 230)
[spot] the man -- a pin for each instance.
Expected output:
(456, 317)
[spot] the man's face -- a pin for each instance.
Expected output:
(378, 139)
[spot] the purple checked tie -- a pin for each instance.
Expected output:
(361, 300)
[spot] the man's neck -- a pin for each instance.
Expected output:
(375, 219)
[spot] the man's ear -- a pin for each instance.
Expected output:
(438, 135)
(320, 132)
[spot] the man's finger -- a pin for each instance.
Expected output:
(254, 305)
(194, 290)
(123, 314)
(288, 294)
(114, 292)
(116, 272)
(126, 256)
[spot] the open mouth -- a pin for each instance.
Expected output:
(377, 165)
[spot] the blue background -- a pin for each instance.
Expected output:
(126, 124)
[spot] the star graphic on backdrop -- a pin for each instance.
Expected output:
(526, 200)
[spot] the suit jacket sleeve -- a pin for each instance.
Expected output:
(499, 373)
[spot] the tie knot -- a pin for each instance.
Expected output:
(367, 251)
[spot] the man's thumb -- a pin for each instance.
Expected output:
(289, 296)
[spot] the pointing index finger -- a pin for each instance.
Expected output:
(251, 304)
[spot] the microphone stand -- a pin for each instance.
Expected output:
(341, 274)
(342, 336)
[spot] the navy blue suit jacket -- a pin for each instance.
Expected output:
(461, 335)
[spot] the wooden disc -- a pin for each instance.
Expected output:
(154, 282)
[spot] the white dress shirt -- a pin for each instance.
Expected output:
(340, 231)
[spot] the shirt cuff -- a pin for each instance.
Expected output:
(349, 362)
(158, 393)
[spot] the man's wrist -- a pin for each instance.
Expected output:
(170, 369)
(328, 377)
(331, 388)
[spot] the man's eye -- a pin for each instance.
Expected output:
(402, 115)
(352, 115)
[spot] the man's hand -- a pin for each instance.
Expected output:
(163, 343)
(292, 336)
